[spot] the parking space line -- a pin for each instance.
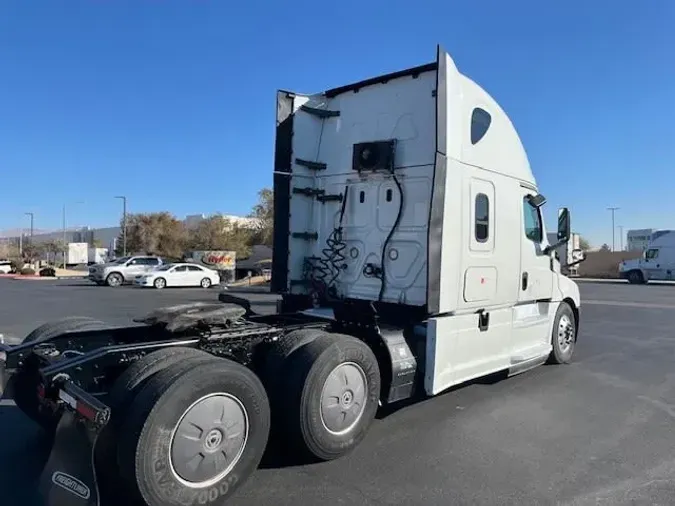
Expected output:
(6, 403)
(627, 304)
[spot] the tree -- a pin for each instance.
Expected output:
(263, 212)
(53, 247)
(154, 234)
(605, 247)
(31, 251)
(218, 233)
(584, 244)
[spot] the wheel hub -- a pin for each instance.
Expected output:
(209, 440)
(343, 398)
(565, 333)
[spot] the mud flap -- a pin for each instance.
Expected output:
(69, 477)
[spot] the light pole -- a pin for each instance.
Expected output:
(32, 217)
(31, 250)
(613, 210)
(124, 224)
(620, 227)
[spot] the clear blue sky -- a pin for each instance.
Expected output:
(152, 98)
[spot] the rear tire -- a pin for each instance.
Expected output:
(205, 283)
(121, 398)
(332, 393)
(279, 352)
(166, 423)
(27, 379)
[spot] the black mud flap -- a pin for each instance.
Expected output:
(69, 477)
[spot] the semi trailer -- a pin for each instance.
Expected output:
(410, 254)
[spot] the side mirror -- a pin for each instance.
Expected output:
(564, 225)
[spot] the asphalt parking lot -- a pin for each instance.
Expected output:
(598, 431)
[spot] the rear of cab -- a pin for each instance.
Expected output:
(413, 189)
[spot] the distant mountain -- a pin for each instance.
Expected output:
(14, 232)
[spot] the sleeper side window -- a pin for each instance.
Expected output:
(482, 217)
(533, 228)
(480, 123)
(651, 254)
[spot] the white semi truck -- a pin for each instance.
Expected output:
(656, 263)
(410, 254)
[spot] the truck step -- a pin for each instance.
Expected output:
(321, 113)
(311, 165)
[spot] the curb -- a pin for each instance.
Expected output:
(45, 278)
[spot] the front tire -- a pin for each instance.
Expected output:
(114, 279)
(636, 278)
(218, 411)
(333, 388)
(159, 283)
(564, 336)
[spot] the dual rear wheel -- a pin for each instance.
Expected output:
(189, 428)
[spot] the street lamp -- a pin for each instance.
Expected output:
(32, 217)
(124, 223)
(620, 227)
(613, 209)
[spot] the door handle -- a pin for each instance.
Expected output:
(524, 281)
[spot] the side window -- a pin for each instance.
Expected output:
(482, 214)
(151, 261)
(135, 261)
(181, 268)
(193, 268)
(651, 254)
(533, 229)
(480, 123)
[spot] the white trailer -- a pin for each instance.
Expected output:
(411, 256)
(97, 255)
(566, 253)
(77, 253)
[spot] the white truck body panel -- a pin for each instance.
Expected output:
(657, 261)
(468, 240)
(98, 255)
(78, 253)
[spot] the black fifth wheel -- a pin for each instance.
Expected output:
(194, 434)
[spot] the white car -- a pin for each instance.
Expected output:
(179, 274)
(5, 266)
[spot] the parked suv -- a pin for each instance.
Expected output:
(123, 270)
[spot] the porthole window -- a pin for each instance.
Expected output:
(480, 123)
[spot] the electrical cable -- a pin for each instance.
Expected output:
(382, 273)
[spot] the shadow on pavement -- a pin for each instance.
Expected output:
(23, 457)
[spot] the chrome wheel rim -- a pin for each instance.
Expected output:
(565, 334)
(209, 440)
(343, 398)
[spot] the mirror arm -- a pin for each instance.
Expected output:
(551, 247)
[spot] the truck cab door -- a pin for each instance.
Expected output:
(531, 316)
(651, 264)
